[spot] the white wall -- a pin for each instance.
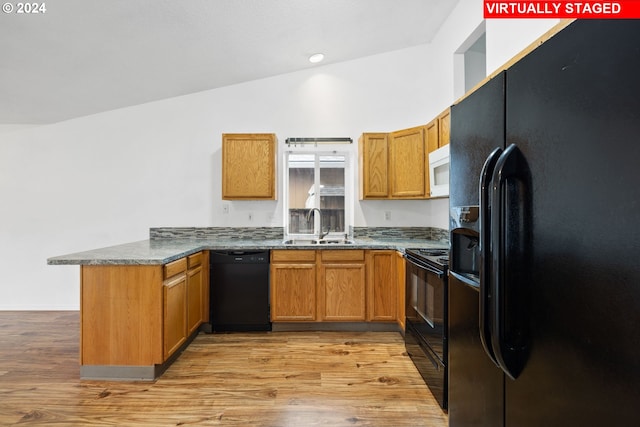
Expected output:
(475, 65)
(507, 37)
(105, 179)
(13, 128)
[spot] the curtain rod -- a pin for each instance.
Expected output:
(301, 141)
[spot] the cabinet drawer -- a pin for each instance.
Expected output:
(175, 267)
(194, 260)
(293, 255)
(342, 255)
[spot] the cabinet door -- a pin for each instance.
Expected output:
(444, 126)
(401, 275)
(431, 142)
(408, 163)
(373, 152)
(342, 288)
(249, 166)
(293, 292)
(381, 285)
(432, 135)
(194, 299)
(175, 314)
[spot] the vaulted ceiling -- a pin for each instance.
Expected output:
(82, 57)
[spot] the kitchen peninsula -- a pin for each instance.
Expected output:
(143, 302)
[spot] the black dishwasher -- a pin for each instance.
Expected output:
(239, 291)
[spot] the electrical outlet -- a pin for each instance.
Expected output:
(387, 215)
(225, 209)
(250, 216)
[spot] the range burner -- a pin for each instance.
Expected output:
(436, 257)
(431, 252)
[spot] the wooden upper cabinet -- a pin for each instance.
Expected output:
(396, 165)
(438, 130)
(432, 135)
(392, 165)
(437, 133)
(407, 163)
(249, 166)
(444, 127)
(373, 150)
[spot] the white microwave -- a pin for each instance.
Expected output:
(439, 172)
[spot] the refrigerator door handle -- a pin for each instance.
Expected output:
(509, 246)
(485, 253)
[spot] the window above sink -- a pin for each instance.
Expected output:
(318, 195)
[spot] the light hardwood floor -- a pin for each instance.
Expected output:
(249, 379)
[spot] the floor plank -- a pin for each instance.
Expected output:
(244, 379)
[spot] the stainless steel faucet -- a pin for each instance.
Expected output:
(321, 234)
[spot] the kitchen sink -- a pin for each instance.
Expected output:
(302, 242)
(306, 242)
(334, 242)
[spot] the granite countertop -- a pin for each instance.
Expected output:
(162, 251)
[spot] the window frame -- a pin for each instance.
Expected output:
(325, 150)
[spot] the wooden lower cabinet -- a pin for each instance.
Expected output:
(185, 294)
(343, 285)
(293, 285)
(342, 290)
(139, 315)
(174, 314)
(196, 307)
(293, 292)
(401, 274)
(381, 286)
(121, 315)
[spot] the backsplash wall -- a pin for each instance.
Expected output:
(277, 233)
(226, 233)
(428, 233)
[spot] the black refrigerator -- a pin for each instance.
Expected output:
(544, 285)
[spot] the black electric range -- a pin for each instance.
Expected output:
(437, 258)
(427, 317)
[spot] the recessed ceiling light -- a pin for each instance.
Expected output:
(316, 57)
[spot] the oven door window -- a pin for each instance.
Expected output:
(425, 308)
(425, 298)
(418, 309)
